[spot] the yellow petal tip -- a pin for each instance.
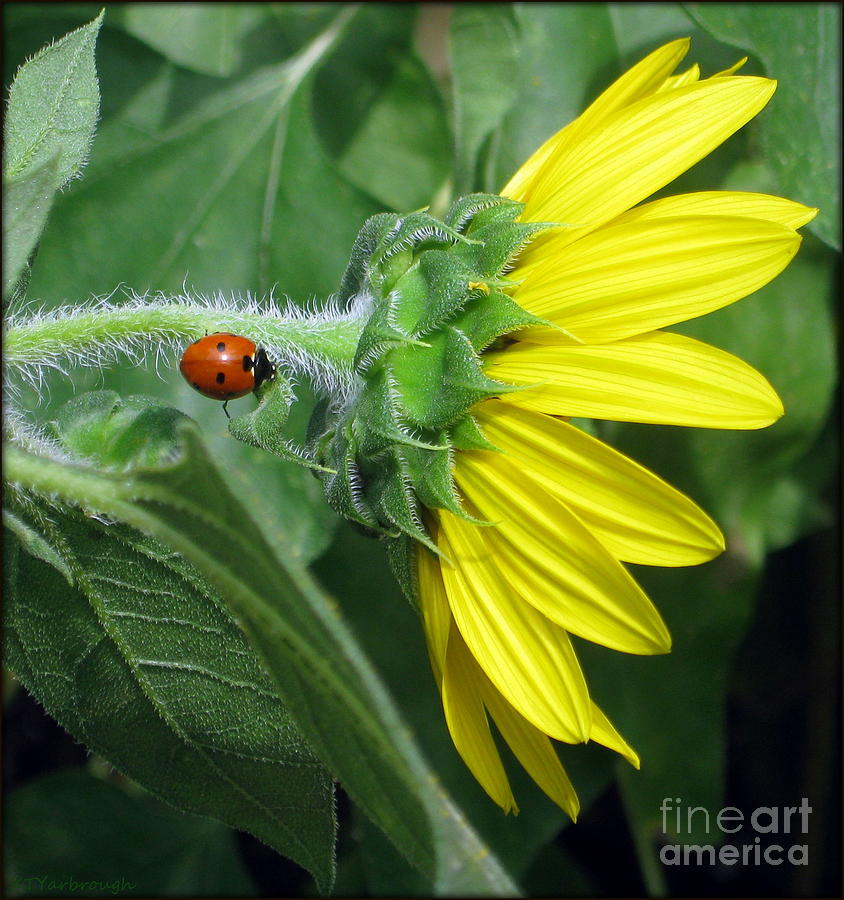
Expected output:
(663, 645)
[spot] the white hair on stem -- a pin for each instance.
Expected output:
(138, 327)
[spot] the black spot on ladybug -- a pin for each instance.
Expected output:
(221, 345)
(247, 363)
(221, 377)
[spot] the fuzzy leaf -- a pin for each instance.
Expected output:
(26, 204)
(31, 534)
(801, 133)
(161, 682)
(321, 674)
(264, 427)
(117, 433)
(53, 107)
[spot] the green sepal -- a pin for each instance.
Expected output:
(344, 490)
(399, 246)
(437, 296)
(390, 268)
(497, 237)
(489, 316)
(500, 245)
(433, 291)
(396, 498)
(414, 232)
(431, 473)
(264, 426)
(379, 335)
(466, 434)
(465, 209)
(354, 279)
(401, 555)
(435, 487)
(439, 384)
(379, 409)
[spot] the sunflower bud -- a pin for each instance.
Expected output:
(435, 292)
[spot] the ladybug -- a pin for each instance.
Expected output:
(225, 366)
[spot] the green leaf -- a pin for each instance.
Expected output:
(639, 28)
(484, 44)
(322, 676)
(787, 331)
(352, 81)
(160, 681)
(31, 535)
(800, 46)
(53, 106)
(252, 200)
(205, 37)
(400, 153)
(26, 204)
(552, 86)
(72, 827)
(116, 433)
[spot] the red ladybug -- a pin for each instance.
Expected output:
(225, 366)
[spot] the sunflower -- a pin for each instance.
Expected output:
(560, 512)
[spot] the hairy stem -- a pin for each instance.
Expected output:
(321, 345)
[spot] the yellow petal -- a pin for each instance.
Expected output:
(468, 725)
(690, 76)
(433, 603)
(629, 279)
(639, 81)
(723, 203)
(639, 150)
(635, 515)
(604, 733)
(528, 658)
(519, 186)
(660, 378)
(554, 562)
(732, 69)
(533, 750)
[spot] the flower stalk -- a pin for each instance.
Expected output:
(320, 345)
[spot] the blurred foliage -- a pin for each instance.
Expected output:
(114, 841)
(239, 148)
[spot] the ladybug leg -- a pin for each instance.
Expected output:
(225, 404)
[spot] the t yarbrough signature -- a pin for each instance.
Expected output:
(71, 885)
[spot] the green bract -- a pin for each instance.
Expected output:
(435, 292)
